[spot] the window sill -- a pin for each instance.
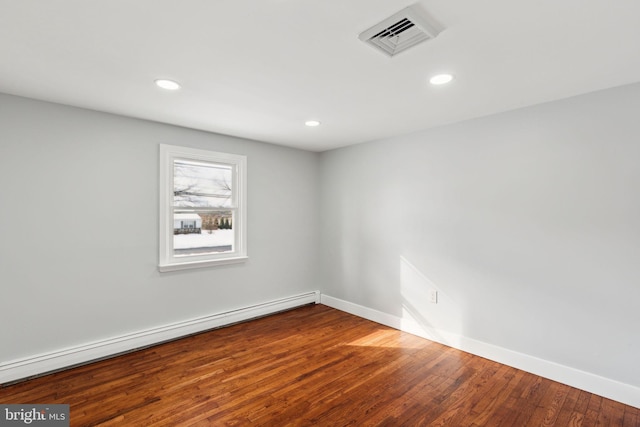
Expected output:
(201, 264)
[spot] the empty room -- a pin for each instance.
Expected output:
(320, 213)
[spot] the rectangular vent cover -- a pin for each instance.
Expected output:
(399, 32)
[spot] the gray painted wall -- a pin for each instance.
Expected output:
(527, 223)
(79, 228)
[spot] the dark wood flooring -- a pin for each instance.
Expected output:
(313, 366)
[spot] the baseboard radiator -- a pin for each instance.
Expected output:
(28, 367)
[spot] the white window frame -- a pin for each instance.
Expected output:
(167, 260)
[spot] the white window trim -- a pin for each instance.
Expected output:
(167, 261)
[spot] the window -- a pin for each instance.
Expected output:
(202, 208)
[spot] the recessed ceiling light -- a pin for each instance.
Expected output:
(440, 79)
(312, 123)
(168, 84)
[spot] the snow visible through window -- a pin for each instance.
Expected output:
(201, 191)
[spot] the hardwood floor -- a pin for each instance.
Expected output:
(313, 366)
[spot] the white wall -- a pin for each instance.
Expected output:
(75, 268)
(527, 223)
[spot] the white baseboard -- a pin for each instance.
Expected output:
(615, 390)
(64, 358)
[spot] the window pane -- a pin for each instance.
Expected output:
(202, 185)
(202, 233)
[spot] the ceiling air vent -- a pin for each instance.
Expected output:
(401, 31)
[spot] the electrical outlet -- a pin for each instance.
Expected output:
(433, 296)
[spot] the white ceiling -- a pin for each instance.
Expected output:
(259, 68)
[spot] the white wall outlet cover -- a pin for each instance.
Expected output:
(433, 296)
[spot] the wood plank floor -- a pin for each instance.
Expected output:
(313, 366)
